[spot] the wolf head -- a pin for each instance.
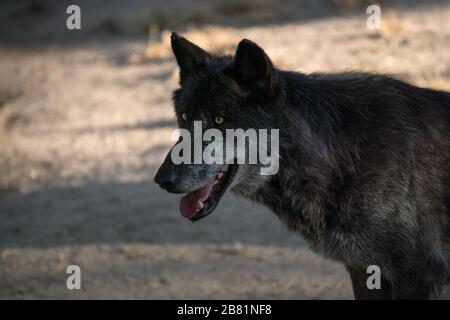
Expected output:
(220, 92)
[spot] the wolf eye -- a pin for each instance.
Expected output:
(184, 116)
(218, 120)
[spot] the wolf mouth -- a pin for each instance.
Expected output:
(199, 203)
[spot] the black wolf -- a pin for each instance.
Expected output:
(364, 170)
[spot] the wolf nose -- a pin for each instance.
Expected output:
(166, 180)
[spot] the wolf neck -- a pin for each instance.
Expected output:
(311, 167)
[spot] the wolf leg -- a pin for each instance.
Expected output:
(362, 292)
(420, 280)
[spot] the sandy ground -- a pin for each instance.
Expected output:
(84, 125)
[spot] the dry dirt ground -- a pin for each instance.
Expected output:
(86, 117)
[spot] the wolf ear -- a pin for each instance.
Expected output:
(252, 66)
(190, 58)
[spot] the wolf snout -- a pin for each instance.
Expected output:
(166, 179)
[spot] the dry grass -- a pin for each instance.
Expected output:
(31, 7)
(2, 127)
(391, 25)
(251, 11)
(218, 40)
(109, 26)
(436, 81)
(7, 121)
(356, 4)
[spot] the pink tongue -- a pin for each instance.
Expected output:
(189, 203)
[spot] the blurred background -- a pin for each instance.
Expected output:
(86, 117)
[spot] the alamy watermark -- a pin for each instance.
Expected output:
(73, 21)
(374, 20)
(374, 280)
(252, 146)
(74, 279)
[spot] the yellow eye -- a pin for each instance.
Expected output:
(184, 116)
(218, 120)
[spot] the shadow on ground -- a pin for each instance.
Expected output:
(36, 23)
(129, 212)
